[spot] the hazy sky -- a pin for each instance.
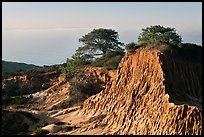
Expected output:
(45, 33)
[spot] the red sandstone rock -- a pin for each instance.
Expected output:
(153, 93)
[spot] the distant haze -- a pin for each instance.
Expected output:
(48, 33)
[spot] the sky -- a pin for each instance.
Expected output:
(47, 33)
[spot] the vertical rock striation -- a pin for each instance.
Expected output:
(152, 93)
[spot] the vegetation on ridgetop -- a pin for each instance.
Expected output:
(99, 41)
(8, 66)
(131, 47)
(155, 36)
(110, 60)
(101, 48)
(159, 33)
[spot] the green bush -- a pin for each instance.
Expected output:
(69, 128)
(67, 103)
(130, 47)
(110, 60)
(76, 62)
(46, 85)
(19, 100)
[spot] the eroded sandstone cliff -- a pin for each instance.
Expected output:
(152, 93)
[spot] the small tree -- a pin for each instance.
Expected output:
(159, 33)
(78, 60)
(97, 42)
(130, 47)
(110, 60)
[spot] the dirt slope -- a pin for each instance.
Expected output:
(61, 92)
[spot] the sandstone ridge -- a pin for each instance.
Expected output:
(153, 92)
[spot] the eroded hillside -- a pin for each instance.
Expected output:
(153, 93)
(71, 91)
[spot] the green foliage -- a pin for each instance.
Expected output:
(69, 128)
(19, 100)
(46, 85)
(159, 33)
(11, 90)
(37, 79)
(96, 43)
(15, 102)
(37, 71)
(84, 86)
(67, 103)
(40, 131)
(15, 90)
(99, 41)
(78, 60)
(130, 47)
(110, 60)
(15, 66)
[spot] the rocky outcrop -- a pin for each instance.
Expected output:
(153, 93)
(65, 93)
(52, 128)
(25, 84)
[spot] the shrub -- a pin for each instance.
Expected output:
(40, 131)
(77, 61)
(110, 60)
(46, 85)
(130, 47)
(69, 128)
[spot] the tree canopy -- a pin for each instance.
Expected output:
(97, 46)
(99, 41)
(159, 33)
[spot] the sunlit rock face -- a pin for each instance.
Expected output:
(153, 93)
